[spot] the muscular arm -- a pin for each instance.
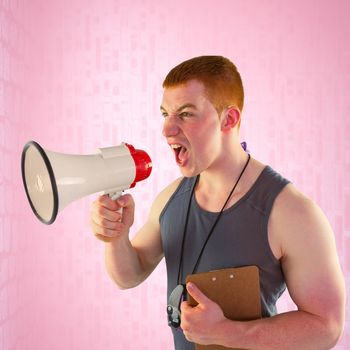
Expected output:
(314, 279)
(129, 262)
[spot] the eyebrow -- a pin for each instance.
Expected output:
(186, 105)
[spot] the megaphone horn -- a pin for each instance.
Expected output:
(53, 180)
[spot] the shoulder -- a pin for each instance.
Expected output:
(296, 220)
(294, 207)
(292, 201)
(163, 198)
(168, 191)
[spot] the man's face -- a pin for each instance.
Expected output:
(191, 127)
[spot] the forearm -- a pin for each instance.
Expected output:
(292, 330)
(123, 263)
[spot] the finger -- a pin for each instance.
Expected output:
(188, 336)
(185, 306)
(100, 213)
(107, 202)
(103, 231)
(186, 312)
(196, 294)
(104, 223)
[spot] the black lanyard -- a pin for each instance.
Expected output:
(212, 228)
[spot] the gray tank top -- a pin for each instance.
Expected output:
(240, 238)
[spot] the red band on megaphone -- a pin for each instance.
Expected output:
(143, 164)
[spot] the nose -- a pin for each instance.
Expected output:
(170, 127)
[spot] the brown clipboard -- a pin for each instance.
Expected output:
(235, 290)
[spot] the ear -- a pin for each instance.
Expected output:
(230, 118)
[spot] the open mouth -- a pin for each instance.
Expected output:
(181, 153)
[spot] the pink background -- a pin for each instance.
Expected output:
(78, 75)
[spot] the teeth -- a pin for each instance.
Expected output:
(175, 146)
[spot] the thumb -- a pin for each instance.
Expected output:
(196, 294)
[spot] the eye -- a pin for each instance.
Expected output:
(164, 115)
(186, 114)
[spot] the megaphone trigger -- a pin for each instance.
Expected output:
(114, 196)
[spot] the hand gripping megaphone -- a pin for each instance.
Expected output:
(53, 180)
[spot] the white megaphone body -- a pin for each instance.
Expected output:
(53, 180)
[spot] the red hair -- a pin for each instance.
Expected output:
(220, 77)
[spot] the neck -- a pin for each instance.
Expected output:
(222, 175)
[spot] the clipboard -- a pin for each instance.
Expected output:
(235, 290)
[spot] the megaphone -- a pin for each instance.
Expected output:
(53, 180)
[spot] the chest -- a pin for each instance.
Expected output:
(213, 203)
(238, 239)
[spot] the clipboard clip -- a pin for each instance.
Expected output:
(173, 307)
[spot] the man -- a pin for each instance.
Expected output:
(251, 214)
